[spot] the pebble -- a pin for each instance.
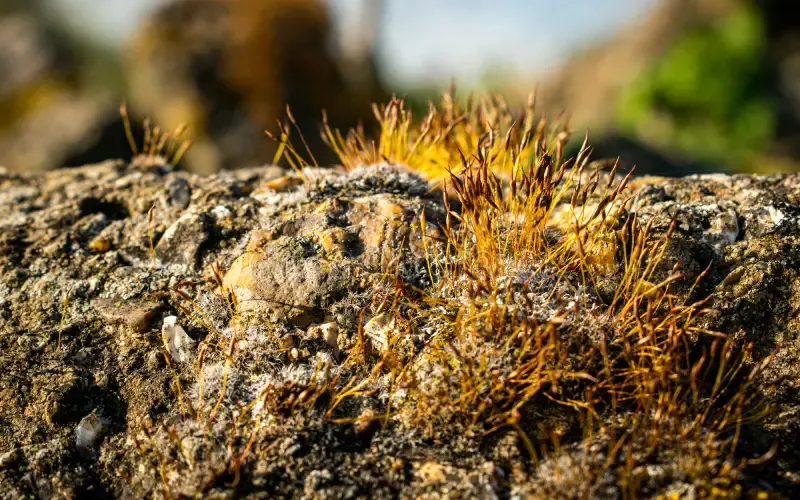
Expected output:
(177, 342)
(179, 192)
(88, 430)
(136, 315)
(82, 356)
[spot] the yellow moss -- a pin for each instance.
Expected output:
(445, 139)
(513, 187)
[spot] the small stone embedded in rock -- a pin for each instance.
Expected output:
(285, 183)
(100, 244)
(82, 356)
(179, 191)
(724, 227)
(311, 265)
(286, 285)
(379, 330)
(135, 315)
(181, 242)
(332, 239)
(221, 212)
(88, 430)
(178, 343)
(330, 332)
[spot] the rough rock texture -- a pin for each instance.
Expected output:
(116, 240)
(746, 230)
(93, 259)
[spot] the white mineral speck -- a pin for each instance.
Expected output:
(178, 343)
(725, 227)
(330, 332)
(378, 329)
(88, 430)
(220, 212)
(776, 215)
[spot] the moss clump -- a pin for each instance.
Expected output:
(515, 332)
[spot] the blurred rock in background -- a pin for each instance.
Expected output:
(229, 68)
(52, 109)
(225, 68)
(682, 86)
(631, 154)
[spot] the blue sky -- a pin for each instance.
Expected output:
(437, 39)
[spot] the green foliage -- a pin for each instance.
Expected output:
(709, 95)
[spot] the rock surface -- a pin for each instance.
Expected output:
(272, 268)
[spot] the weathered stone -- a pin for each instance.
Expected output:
(308, 269)
(310, 257)
(288, 280)
(283, 184)
(137, 316)
(333, 239)
(179, 192)
(181, 242)
(100, 244)
(89, 430)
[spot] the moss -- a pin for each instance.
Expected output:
(520, 321)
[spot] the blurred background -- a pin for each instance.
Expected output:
(670, 86)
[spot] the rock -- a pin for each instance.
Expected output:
(333, 240)
(288, 283)
(179, 192)
(308, 259)
(177, 342)
(380, 330)
(100, 244)
(181, 242)
(137, 316)
(325, 278)
(82, 356)
(753, 287)
(89, 430)
(283, 184)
